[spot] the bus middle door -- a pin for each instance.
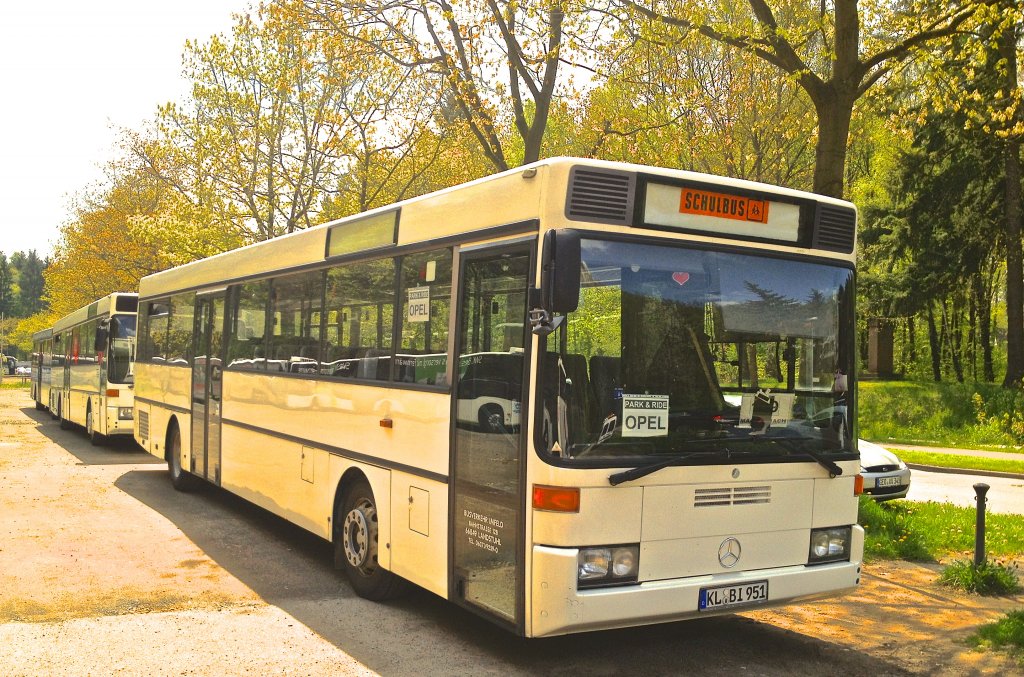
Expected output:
(207, 373)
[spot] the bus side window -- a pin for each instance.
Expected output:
(179, 330)
(247, 342)
(425, 296)
(296, 310)
(360, 301)
(154, 343)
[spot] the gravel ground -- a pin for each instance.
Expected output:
(104, 569)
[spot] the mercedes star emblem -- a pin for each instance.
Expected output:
(729, 552)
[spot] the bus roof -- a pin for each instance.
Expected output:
(42, 335)
(98, 308)
(532, 193)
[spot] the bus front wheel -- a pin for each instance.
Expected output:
(356, 546)
(90, 428)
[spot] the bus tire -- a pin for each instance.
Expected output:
(39, 406)
(64, 423)
(181, 479)
(492, 418)
(356, 543)
(90, 428)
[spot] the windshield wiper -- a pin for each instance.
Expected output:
(644, 470)
(833, 468)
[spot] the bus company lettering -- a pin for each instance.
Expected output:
(482, 531)
(735, 207)
(644, 415)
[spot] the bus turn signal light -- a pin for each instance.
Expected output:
(113, 392)
(556, 499)
(858, 485)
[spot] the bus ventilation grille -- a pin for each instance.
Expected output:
(144, 424)
(603, 196)
(835, 228)
(706, 498)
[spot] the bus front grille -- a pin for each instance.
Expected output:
(725, 496)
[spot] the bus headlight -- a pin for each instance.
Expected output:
(124, 413)
(607, 565)
(829, 545)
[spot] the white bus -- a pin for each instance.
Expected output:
(91, 367)
(572, 396)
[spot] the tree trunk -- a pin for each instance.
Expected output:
(1014, 270)
(984, 303)
(936, 346)
(1014, 261)
(835, 111)
(955, 340)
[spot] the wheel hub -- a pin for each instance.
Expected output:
(359, 542)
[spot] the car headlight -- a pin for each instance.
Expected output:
(829, 545)
(608, 565)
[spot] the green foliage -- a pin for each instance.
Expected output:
(987, 578)
(964, 415)
(888, 533)
(931, 531)
(1007, 632)
(1003, 410)
(944, 460)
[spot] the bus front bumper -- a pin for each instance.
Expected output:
(559, 608)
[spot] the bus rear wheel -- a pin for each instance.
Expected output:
(356, 546)
(181, 479)
(64, 423)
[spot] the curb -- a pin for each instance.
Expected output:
(966, 471)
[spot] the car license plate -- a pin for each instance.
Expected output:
(740, 594)
(887, 482)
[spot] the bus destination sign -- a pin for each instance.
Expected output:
(735, 207)
(720, 213)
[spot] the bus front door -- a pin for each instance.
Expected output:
(207, 369)
(488, 466)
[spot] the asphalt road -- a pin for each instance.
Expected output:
(1005, 495)
(105, 569)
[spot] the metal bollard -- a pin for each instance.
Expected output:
(979, 526)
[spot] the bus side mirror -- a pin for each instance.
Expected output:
(102, 333)
(559, 281)
(560, 271)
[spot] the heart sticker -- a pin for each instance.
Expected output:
(681, 278)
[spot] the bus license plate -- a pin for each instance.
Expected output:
(741, 594)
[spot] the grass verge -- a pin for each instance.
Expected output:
(928, 532)
(12, 384)
(922, 457)
(1007, 633)
(963, 415)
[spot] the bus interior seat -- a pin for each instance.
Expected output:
(585, 414)
(606, 377)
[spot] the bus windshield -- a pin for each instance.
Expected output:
(122, 349)
(675, 350)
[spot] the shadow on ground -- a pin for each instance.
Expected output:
(423, 634)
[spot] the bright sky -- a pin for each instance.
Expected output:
(72, 72)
